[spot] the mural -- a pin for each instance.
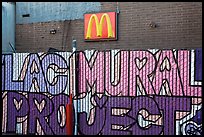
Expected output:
(141, 92)
(36, 90)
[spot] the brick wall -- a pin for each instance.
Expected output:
(179, 26)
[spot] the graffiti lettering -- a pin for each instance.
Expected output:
(91, 72)
(129, 121)
(37, 75)
(165, 72)
(136, 92)
(40, 109)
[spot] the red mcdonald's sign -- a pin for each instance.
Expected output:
(100, 26)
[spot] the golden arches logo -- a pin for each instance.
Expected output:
(99, 25)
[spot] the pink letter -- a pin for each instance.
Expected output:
(91, 72)
(167, 74)
(142, 63)
(184, 66)
(120, 73)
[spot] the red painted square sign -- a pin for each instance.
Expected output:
(100, 26)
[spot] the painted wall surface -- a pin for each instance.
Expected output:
(138, 92)
(53, 11)
(8, 26)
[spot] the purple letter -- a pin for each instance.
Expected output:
(170, 105)
(34, 75)
(122, 120)
(40, 107)
(59, 100)
(59, 66)
(10, 84)
(17, 106)
(99, 119)
(2, 77)
(150, 105)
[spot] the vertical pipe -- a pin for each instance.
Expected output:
(69, 119)
(69, 114)
(74, 48)
(69, 107)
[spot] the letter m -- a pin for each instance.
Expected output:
(91, 72)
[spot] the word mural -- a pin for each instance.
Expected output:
(141, 92)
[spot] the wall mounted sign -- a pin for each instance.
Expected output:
(100, 26)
